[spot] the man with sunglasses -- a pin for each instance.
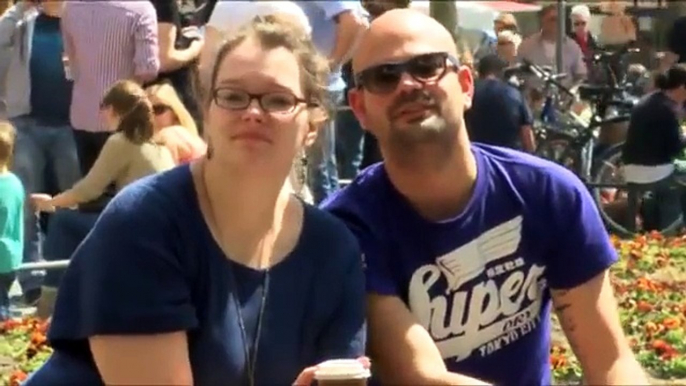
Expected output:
(465, 245)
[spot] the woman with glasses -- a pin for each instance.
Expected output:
(226, 18)
(214, 273)
(174, 125)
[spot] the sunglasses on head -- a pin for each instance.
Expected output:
(384, 78)
(160, 109)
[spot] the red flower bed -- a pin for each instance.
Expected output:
(650, 286)
(23, 348)
(649, 281)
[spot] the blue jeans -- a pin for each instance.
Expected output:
(322, 173)
(6, 281)
(349, 144)
(42, 153)
(66, 230)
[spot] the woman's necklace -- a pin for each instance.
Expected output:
(250, 360)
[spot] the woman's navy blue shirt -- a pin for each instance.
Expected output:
(151, 266)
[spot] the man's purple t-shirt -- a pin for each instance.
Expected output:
(479, 283)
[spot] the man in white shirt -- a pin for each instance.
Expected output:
(336, 27)
(540, 48)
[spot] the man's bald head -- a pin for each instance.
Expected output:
(399, 30)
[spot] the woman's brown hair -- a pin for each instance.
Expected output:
(275, 31)
(129, 101)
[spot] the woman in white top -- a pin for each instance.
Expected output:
(226, 18)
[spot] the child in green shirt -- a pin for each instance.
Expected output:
(11, 218)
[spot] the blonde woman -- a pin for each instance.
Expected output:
(174, 125)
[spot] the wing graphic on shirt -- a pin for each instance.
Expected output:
(467, 262)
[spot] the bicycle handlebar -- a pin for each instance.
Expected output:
(546, 76)
(603, 56)
(607, 121)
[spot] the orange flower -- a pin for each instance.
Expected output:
(643, 306)
(38, 338)
(640, 239)
(671, 323)
(557, 361)
(655, 235)
(17, 377)
(659, 344)
(645, 284)
(633, 342)
(651, 328)
(616, 241)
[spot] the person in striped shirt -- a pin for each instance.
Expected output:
(105, 41)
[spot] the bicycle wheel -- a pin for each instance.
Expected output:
(559, 148)
(612, 202)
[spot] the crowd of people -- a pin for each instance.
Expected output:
(168, 150)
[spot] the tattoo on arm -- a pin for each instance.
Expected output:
(562, 309)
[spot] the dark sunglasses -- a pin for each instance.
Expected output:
(384, 78)
(272, 102)
(160, 109)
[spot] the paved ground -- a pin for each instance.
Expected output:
(15, 309)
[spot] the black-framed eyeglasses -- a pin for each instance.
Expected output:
(159, 109)
(272, 102)
(384, 78)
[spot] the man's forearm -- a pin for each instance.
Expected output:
(625, 371)
(455, 379)
(528, 139)
(347, 33)
(180, 58)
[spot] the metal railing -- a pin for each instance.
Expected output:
(40, 265)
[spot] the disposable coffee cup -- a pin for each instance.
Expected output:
(341, 372)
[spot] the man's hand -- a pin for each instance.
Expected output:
(588, 315)
(349, 27)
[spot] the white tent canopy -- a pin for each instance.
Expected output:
(479, 15)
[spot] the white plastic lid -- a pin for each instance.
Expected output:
(341, 369)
